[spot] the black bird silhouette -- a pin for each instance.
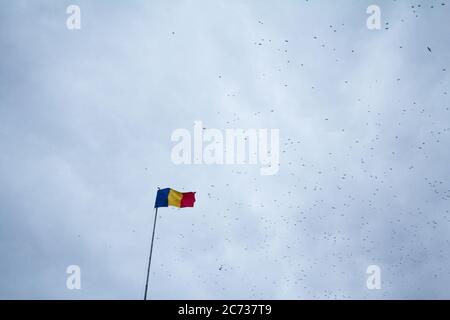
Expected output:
(429, 49)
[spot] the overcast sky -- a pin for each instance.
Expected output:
(86, 118)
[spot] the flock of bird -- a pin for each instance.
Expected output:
(350, 192)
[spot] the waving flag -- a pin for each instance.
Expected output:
(169, 197)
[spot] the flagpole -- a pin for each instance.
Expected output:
(150, 258)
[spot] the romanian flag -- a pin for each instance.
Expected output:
(169, 197)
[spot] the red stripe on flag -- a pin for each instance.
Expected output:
(187, 200)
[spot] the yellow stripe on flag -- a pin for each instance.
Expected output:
(175, 198)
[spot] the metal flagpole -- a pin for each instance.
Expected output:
(150, 258)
